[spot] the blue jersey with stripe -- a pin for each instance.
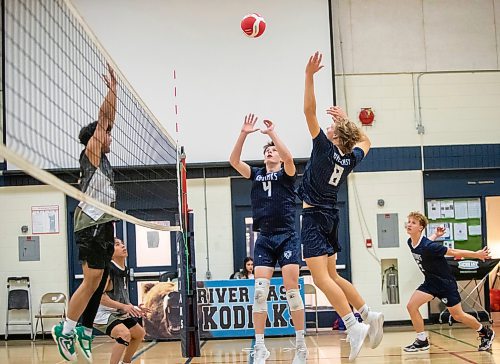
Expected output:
(273, 200)
(326, 170)
(431, 261)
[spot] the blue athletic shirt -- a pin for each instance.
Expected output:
(273, 200)
(431, 261)
(325, 172)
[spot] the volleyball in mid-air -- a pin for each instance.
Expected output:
(253, 25)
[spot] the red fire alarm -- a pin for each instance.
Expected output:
(368, 243)
(366, 116)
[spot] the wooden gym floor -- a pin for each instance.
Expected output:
(453, 344)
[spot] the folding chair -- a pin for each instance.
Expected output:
(18, 298)
(52, 306)
(311, 289)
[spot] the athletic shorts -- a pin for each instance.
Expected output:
(319, 232)
(282, 248)
(96, 245)
(117, 319)
(448, 295)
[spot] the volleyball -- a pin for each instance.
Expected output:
(253, 25)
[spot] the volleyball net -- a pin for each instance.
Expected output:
(56, 80)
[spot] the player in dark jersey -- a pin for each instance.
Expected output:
(439, 282)
(333, 157)
(116, 316)
(94, 230)
(273, 212)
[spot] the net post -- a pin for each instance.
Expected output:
(186, 265)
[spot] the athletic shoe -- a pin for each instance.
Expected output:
(486, 340)
(376, 332)
(418, 345)
(357, 335)
(65, 343)
(84, 343)
(300, 355)
(260, 354)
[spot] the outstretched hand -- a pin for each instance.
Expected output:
(314, 64)
(249, 124)
(440, 231)
(269, 127)
(337, 113)
(110, 80)
(483, 254)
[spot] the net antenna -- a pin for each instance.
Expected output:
(55, 82)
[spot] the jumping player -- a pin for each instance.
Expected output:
(94, 230)
(273, 211)
(439, 282)
(333, 157)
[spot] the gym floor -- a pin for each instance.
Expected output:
(449, 344)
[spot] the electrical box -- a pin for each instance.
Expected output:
(29, 248)
(387, 230)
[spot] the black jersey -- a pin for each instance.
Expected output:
(119, 278)
(431, 261)
(273, 200)
(326, 171)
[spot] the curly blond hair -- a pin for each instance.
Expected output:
(421, 218)
(348, 134)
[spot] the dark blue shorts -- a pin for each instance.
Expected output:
(283, 248)
(319, 233)
(448, 294)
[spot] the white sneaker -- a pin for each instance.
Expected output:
(300, 355)
(376, 332)
(260, 354)
(357, 335)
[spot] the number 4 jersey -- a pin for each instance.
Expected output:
(326, 171)
(273, 200)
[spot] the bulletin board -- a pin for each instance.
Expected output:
(462, 219)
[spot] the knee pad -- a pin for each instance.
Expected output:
(294, 300)
(120, 341)
(261, 293)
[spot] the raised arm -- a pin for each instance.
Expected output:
(482, 254)
(365, 142)
(105, 121)
(313, 66)
(439, 232)
(235, 157)
(337, 113)
(284, 152)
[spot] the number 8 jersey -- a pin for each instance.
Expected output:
(326, 171)
(273, 200)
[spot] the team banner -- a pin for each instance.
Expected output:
(224, 309)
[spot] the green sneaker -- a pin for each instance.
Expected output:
(84, 343)
(65, 343)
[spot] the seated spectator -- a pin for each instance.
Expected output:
(246, 272)
(116, 316)
(248, 268)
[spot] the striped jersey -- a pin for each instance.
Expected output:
(99, 184)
